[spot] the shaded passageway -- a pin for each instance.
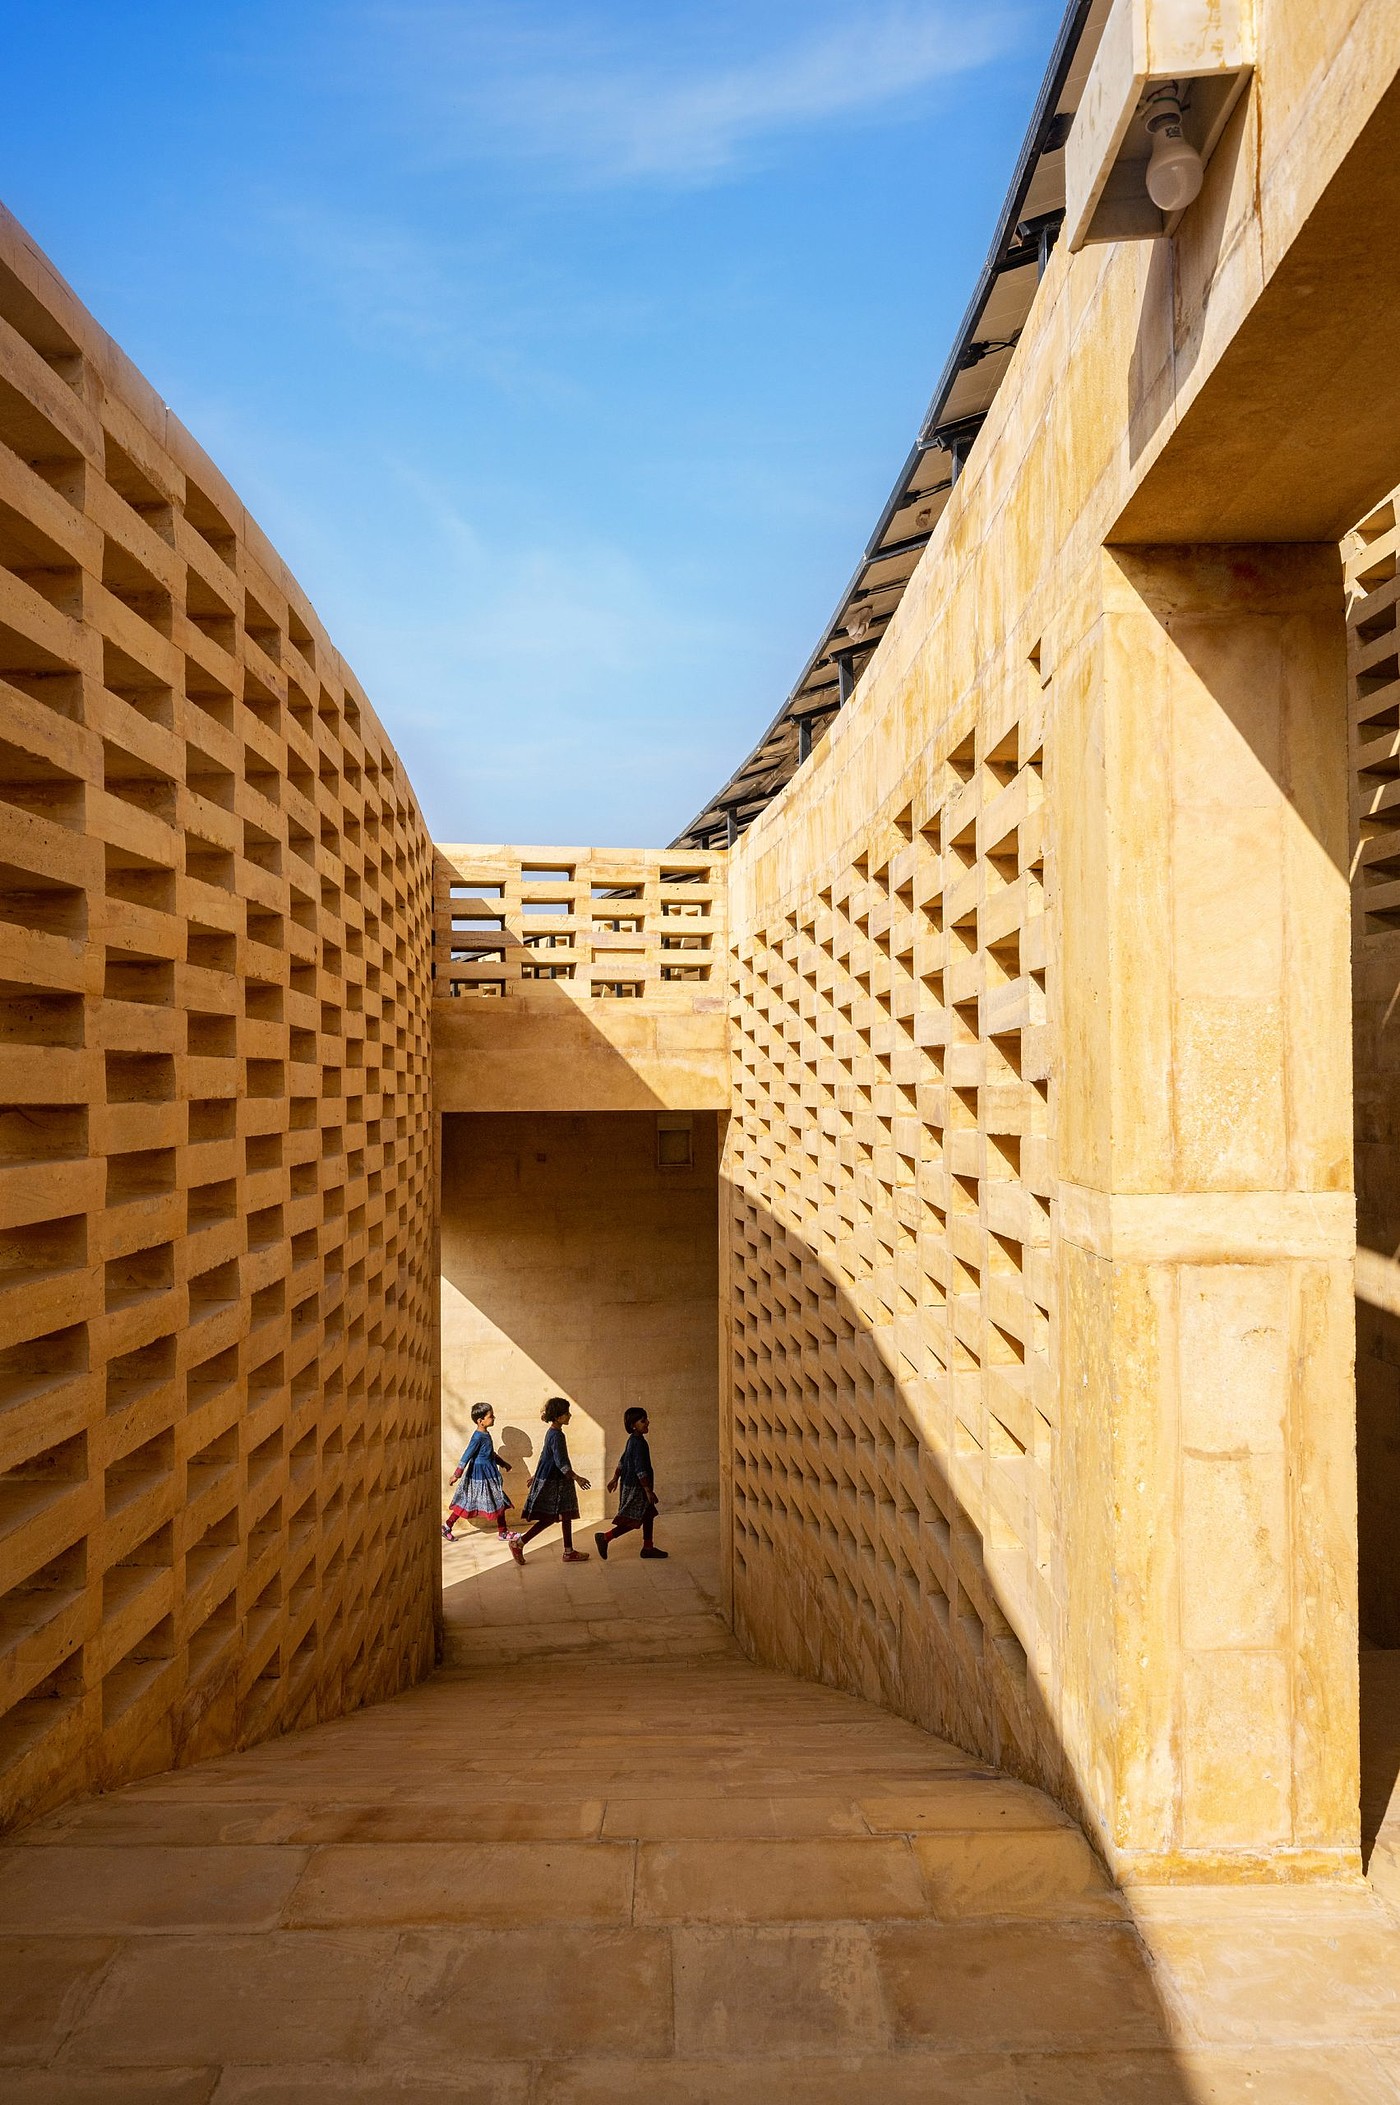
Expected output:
(1380, 1770)
(631, 1864)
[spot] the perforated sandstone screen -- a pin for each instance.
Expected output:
(596, 923)
(217, 1379)
(891, 1404)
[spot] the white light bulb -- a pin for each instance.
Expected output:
(1175, 171)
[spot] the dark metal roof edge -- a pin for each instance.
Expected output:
(1052, 86)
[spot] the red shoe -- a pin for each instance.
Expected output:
(576, 1556)
(516, 1548)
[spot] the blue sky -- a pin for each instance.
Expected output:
(565, 348)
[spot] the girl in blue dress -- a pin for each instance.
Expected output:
(478, 1478)
(553, 1494)
(637, 1504)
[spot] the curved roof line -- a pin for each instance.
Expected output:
(1026, 230)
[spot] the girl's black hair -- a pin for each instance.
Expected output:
(634, 1416)
(480, 1411)
(555, 1408)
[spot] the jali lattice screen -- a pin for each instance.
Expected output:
(892, 1409)
(217, 1386)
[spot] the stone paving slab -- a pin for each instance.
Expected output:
(836, 1878)
(1154, 2077)
(684, 1880)
(146, 1888)
(504, 1883)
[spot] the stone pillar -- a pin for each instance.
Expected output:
(1206, 1230)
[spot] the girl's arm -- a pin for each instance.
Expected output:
(567, 1468)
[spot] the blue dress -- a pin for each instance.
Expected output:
(479, 1488)
(552, 1495)
(634, 1476)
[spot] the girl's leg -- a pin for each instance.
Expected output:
(649, 1548)
(538, 1529)
(501, 1529)
(571, 1555)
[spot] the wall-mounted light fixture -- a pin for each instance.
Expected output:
(1175, 171)
(1165, 78)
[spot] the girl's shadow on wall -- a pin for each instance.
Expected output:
(517, 1448)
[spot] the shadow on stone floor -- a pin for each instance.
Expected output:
(677, 1877)
(495, 1613)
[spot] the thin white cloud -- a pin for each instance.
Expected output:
(693, 111)
(528, 668)
(382, 277)
(549, 617)
(445, 307)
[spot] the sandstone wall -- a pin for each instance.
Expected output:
(579, 979)
(1038, 1214)
(579, 1258)
(217, 1323)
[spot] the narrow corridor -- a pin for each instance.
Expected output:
(603, 1857)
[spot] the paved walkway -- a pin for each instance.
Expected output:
(629, 1865)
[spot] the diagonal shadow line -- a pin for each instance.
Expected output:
(543, 1033)
(558, 1337)
(858, 1624)
(1096, 1978)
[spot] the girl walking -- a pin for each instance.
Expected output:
(637, 1504)
(554, 1488)
(478, 1478)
